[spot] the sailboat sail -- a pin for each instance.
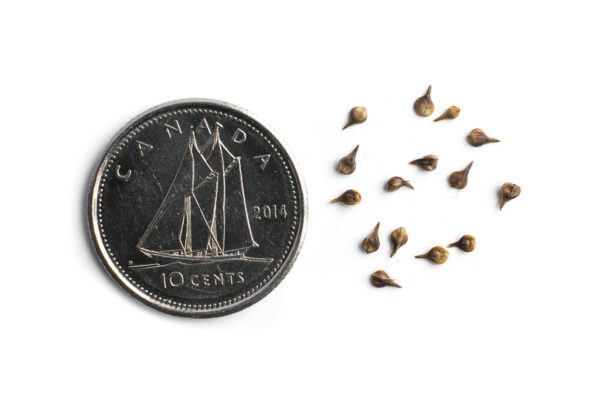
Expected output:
(187, 222)
(237, 216)
(203, 206)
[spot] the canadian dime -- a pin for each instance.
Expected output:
(197, 209)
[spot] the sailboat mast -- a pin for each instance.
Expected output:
(223, 188)
(187, 208)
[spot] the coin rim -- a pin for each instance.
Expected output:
(137, 293)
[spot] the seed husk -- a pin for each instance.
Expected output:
(465, 243)
(371, 242)
(423, 105)
(347, 164)
(459, 179)
(508, 192)
(450, 113)
(477, 138)
(437, 255)
(398, 237)
(380, 279)
(349, 197)
(396, 183)
(428, 163)
(358, 115)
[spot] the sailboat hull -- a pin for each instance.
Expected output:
(161, 257)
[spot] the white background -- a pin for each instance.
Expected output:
(517, 318)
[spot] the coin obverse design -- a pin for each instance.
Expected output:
(197, 209)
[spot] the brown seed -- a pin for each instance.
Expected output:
(465, 243)
(398, 237)
(371, 242)
(347, 164)
(459, 179)
(396, 183)
(381, 278)
(477, 138)
(450, 113)
(358, 115)
(428, 163)
(508, 192)
(423, 105)
(437, 255)
(349, 197)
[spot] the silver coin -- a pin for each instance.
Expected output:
(197, 209)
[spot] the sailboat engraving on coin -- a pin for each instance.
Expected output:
(197, 209)
(208, 181)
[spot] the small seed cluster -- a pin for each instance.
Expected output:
(459, 179)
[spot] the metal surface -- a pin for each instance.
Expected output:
(197, 209)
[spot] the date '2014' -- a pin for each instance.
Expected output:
(269, 212)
